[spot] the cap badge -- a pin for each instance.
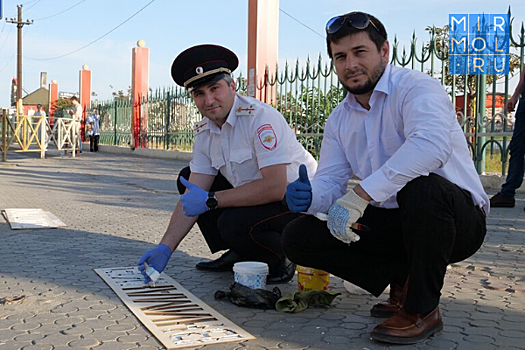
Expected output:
(199, 70)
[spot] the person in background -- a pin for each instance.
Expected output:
(39, 111)
(419, 194)
(244, 155)
(94, 134)
(505, 197)
(76, 114)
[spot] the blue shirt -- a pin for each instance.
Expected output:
(94, 119)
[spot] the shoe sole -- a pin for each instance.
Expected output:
(503, 205)
(380, 314)
(436, 330)
(202, 268)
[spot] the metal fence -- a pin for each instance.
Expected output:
(306, 94)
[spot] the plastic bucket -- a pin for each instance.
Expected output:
(312, 279)
(251, 274)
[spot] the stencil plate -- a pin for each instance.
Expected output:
(21, 219)
(171, 313)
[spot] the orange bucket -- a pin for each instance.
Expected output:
(312, 279)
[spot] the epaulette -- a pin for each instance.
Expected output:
(200, 126)
(246, 110)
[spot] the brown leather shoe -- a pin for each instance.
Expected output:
(393, 304)
(408, 328)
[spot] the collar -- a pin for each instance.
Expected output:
(231, 119)
(382, 86)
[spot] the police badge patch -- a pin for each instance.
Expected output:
(267, 137)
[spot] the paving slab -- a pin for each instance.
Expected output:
(118, 206)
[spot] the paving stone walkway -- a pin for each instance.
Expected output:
(117, 206)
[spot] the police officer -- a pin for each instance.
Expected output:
(243, 157)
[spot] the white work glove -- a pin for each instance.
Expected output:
(343, 213)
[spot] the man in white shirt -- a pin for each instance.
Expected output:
(76, 114)
(244, 155)
(419, 194)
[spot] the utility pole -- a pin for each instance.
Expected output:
(19, 23)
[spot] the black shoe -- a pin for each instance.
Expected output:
(501, 201)
(283, 273)
(224, 263)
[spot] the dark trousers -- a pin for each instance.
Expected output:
(254, 233)
(517, 153)
(93, 143)
(436, 224)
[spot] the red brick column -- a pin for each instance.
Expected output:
(139, 92)
(85, 94)
(53, 97)
(263, 42)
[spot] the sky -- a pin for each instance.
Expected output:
(67, 34)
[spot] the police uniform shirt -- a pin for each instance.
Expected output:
(410, 131)
(254, 136)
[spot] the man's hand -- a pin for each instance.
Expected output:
(511, 104)
(343, 213)
(157, 258)
(194, 201)
(299, 192)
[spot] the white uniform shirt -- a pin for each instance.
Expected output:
(77, 116)
(255, 135)
(410, 130)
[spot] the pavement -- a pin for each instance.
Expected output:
(118, 206)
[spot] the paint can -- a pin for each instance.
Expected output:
(251, 274)
(312, 279)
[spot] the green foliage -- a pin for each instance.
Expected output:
(439, 43)
(61, 105)
(306, 113)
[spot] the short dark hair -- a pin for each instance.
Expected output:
(377, 34)
(73, 98)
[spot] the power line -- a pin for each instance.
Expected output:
(30, 7)
(94, 41)
(301, 23)
(61, 12)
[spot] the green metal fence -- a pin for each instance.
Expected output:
(306, 94)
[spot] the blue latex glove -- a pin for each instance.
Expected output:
(194, 201)
(157, 258)
(299, 192)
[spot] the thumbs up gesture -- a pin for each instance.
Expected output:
(194, 201)
(299, 192)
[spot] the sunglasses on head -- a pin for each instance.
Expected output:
(358, 20)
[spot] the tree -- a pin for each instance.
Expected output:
(61, 105)
(439, 43)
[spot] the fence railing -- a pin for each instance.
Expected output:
(23, 133)
(307, 94)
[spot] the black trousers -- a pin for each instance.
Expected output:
(93, 143)
(254, 233)
(436, 224)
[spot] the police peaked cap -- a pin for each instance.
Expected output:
(202, 64)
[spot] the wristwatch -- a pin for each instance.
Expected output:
(211, 201)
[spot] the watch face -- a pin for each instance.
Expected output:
(211, 203)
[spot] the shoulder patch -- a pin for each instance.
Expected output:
(200, 126)
(267, 137)
(246, 110)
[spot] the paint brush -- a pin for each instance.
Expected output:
(355, 226)
(152, 273)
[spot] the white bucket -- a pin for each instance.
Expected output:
(251, 274)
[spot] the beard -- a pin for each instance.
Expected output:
(368, 85)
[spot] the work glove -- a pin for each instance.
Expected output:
(194, 201)
(157, 258)
(299, 192)
(343, 213)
